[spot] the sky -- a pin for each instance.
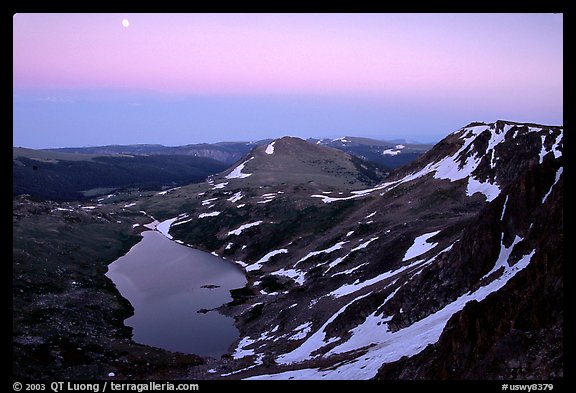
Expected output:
(175, 79)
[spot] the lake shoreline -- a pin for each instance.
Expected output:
(162, 292)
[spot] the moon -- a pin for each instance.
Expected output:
(125, 23)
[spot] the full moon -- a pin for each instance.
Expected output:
(125, 22)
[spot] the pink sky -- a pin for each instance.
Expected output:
(289, 53)
(185, 78)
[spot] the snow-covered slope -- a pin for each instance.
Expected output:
(344, 280)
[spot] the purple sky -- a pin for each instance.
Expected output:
(84, 79)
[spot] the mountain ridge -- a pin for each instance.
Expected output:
(427, 206)
(387, 153)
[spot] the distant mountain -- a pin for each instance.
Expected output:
(450, 268)
(58, 175)
(392, 154)
(227, 152)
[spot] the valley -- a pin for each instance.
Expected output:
(449, 267)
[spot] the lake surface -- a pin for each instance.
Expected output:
(163, 281)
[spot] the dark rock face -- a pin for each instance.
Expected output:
(515, 333)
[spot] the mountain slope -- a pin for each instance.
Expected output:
(345, 279)
(516, 333)
(274, 183)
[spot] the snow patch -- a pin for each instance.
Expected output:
(420, 246)
(327, 199)
(294, 274)
(237, 172)
(391, 152)
(490, 191)
(336, 262)
(335, 247)
(301, 331)
(206, 202)
(211, 214)
(242, 264)
(270, 148)
(503, 256)
(240, 350)
(370, 215)
(130, 205)
(64, 209)
(240, 229)
(504, 208)
(182, 222)
(343, 140)
(364, 245)
(351, 270)
(168, 191)
(152, 225)
(236, 197)
(558, 174)
(258, 264)
(164, 227)
(220, 185)
(339, 260)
